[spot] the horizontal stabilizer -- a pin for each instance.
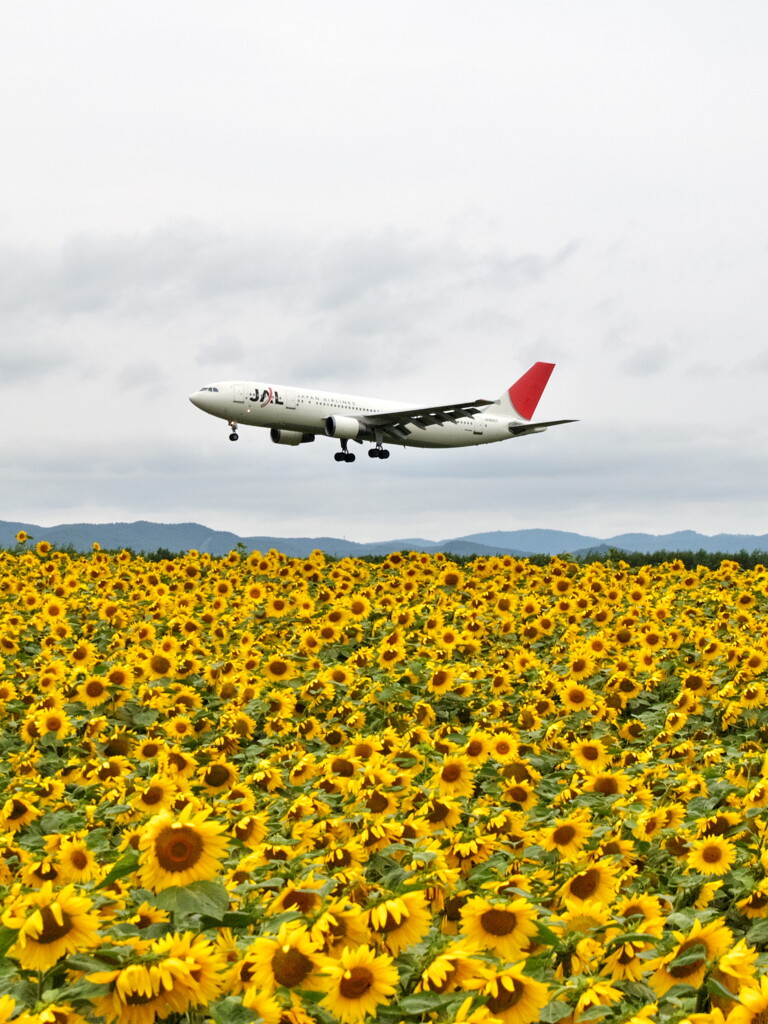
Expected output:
(516, 429)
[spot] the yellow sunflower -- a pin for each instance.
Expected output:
(203, 980)
(139, 993)
(278, 669)
(711, 855)
(93, 691)
(596, 882)
(590, 754)
(78, 863)
(513, 997)
(576, 697)
(567, 836)
(178, 851)
(689, 960)
(504, 928)
(449, 970)
(358, 983)
(456, 777)
(291, 959)
(156, 793)
(50, 924)
(401, 921)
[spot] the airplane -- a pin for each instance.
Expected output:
(295, 415)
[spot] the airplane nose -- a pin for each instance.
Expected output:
(197, 398)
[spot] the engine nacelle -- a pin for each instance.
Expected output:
(290, 436)
(345, 427)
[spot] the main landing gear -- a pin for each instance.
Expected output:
(374, 453)
(344, 455)
(233, 427)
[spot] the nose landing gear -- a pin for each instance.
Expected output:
(233, 427)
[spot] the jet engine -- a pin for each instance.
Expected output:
(345, 427)
(290, 436)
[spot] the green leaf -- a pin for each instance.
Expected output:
(127, 864)
(715, 988)
(426, 1002)
(230, 1010)
(61, 822)
(554, 1011)
(758, 933)
(82, 989)
(546, 937)
(7, 939)
(697, 954)
(209, 898)
(619, 940)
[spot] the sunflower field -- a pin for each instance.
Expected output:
(258, 788)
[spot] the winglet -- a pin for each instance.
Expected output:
(526, 392)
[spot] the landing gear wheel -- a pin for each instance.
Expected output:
(234, 437)
(339, 456)
(383, 454)
(348, 456)
(373, 453)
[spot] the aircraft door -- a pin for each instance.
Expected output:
(239, 395)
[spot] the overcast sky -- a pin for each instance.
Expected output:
(410, 199)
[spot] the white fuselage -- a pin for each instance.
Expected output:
(307, 411)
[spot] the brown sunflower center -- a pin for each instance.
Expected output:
(504, 999)
(217, 775)
(355, 982)
(52, 929)
(712, 854)
(152, 795)
(18, 810)
(390, 923)
(451, 773)
(438, 813)
(586, 884)
(607, 785)
(160, 664)
(686, 949)
(498, 921)
(79, 859)
(290, 967)
(304, 900)
(178, 848)
(377, 802)
(563, 835)
(140, 998)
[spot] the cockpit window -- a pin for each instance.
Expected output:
(209, 389)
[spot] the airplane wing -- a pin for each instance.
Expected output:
(399, 421)
(516, 429)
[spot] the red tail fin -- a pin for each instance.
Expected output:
(526, 392)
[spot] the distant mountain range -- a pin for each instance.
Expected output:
(150, 537)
